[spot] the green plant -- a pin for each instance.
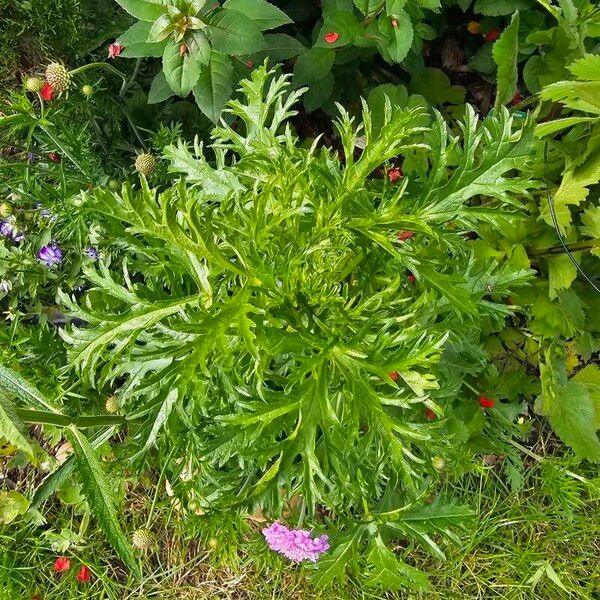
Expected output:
(294, 332)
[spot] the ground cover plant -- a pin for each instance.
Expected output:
(255, 342)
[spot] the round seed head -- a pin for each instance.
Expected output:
(145, 164)
(34, 84)
(87, 90)
(5, 210)
(438, 463)
(112, 405)
(58, 77)
(143, 539)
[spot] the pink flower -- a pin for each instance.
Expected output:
(411, 279)
(429, 414)
(332, 37)
(46, 92)
(402, 236)
(84, 574)
(295, 544)
(394, 174)
(115, 49)
(62, 564)
(394, 375)
(486, 402)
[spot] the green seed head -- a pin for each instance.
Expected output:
(58, 77)
(112, 405)
(145, 164)
(438, 463)
(5, 210)
(34, 84)
(143, 539)
(113, 184)
(87, 90)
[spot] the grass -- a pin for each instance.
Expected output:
(540, 543)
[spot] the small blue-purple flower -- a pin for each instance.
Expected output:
(9, 229)
(31, 158)
(50, 255)
(93, 253)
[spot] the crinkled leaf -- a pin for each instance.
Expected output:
(232, 32)
(506, 51)
(181, 72)
(265, 15)
(214, 85)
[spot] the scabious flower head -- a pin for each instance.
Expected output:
(394, 174)
(84, 574)
(9, 229)
(62, 564)
(93, 253)
(486, 402)
(47, 91)
(394, 375)
(402, 236)
(115, 49)
(50, 255)
(295, 544)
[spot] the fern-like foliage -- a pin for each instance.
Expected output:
(265, 303)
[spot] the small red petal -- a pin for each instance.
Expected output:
(492, 35)
(394, 174)
(394, 375)
(115, 49)
(54, 157)
(332, 37)
(83, 575)
(517, 99)
(402, 236)
(250, 64)
(46, 92)
(394, 23)
(429, 414)
(62, 564)
(486, 402)
(411, 279)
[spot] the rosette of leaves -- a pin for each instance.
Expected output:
(266, 302)
(205, 47)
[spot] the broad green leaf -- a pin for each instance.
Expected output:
(161, 29)
(394, 6)
(145, 10)
(214, 85)
(14, 385)
(265, 15)
(498, 8)
(398, 28)
(318, 93)
(145, 50)
(590, 377)
(590, 220)
(181, 72)
(368, 7)
(345, 24)
(232, 32)
(159, 89)
(312, 65)
(279, 46)
(138, 33)
(434, 85)
(13, 430)
(390, 573)
(12, 504)
(506, 51)
(97, 490)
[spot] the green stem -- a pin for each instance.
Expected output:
(103, 65)
(575, 247)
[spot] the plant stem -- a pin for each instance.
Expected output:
(575, 247)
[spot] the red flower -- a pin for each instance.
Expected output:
(429, 414)
(404, 235)
(183, 49)
(492, 35)
(332, 37)
(46, 92)
(84, 574)
(115, 49)
(62, 564)
(411, 279)
(517, 99)
(394, 23)
(54, 157)
(394, 174)
(486, 402)
(394, 375)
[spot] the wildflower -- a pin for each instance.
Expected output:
(5, 210)
(402, 236)
(58, 77)
(46, 92)
(115, 49)
(474, 27)
(295, 544)
(394, 375)
(5, 286)
(429, 414)
(93, 253)
(87, 91)
(486, 402)
(492, 35)
(62, 564)
(34, 84)
(395, 23)
(145, 163)
(54, 157)
(438, 463)
(9, 229)
(143, 539)
(394, 174)
(183, 49)
(50, 255)
(411, 279)
(84, 574)
(516, 99)
(332, 37)
(31, 158)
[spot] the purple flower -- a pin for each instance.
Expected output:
(8, 229)
(50, 255)
(31, 158)
(93, 253)
(295, 544)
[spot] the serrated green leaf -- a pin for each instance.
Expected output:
(506, 51)
(15, 386)
(561, 274)
(586, 68)
(399, 29)
(97, 490)
(264, 14)
(12, 504)
(181, 72)
(159, 89)
(232, 32)
(368, 7)
(214, 86)
(146, 10)
(332, 566)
